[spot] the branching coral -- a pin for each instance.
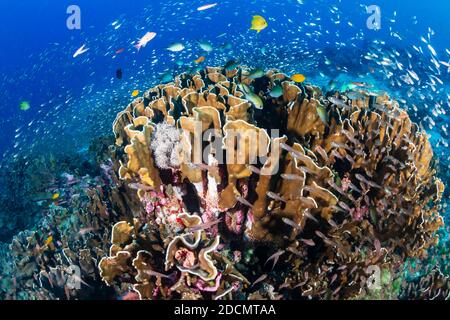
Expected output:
(345, 185)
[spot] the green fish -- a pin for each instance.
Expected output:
(226, 46)
(252, 97)
(194, 69)
(167, 77)
(24, 105)
(276, 91)
(373, 214)
(245, 88)
(176, 47)
(179, 63)
(322, 112)
(338, 180)
(345, 87)
(231, 65)
(256, 73)
(205, 46)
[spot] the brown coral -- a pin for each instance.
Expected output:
(345, 185)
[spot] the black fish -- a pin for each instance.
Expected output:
(119, 73)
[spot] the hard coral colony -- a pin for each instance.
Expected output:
(346, 185)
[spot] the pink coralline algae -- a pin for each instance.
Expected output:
(345, 184)
(359, 213)
(185, 257)
(203, 286)
(235, 220)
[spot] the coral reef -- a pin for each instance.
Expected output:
(58, 258)
(23, 186)
(65, 246)
(228, 210)
(211, 188)
(430, 286)
(27, 184)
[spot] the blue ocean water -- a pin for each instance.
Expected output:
(74, 100)
(37, 64)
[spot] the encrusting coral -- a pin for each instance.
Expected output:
(345, 185)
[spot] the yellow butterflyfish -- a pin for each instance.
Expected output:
(258, 24)
(299, 78)
(49, 240)
(135, 93)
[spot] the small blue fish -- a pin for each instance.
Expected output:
(276, 92)
(256, 73)
(205, 46)
(231, 65)
(167, 77)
